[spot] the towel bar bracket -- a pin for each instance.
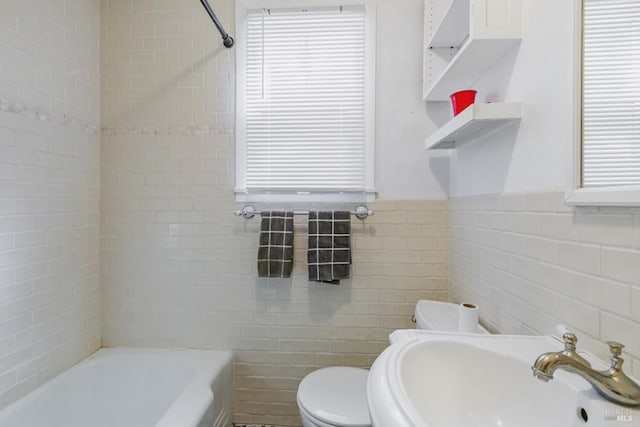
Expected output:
(362, 212)
(247, 212)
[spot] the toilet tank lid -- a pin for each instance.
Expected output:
(336, 396)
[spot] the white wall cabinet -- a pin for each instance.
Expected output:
(470, 37)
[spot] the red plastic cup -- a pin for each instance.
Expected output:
(462, 99)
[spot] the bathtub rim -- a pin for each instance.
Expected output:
(194, 400)
(191, 402)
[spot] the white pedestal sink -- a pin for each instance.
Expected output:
(431, 379)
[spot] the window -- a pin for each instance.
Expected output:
(305, 101)
(609, 156)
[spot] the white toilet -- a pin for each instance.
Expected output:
(337, 396)
(334, 397)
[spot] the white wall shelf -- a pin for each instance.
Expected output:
(476, 121)
(482, 32)
(454, 26)
(473, 60)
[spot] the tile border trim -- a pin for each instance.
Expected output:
(178, 130)
(42, 115)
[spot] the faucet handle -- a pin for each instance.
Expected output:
(570, 341)
(615, 348)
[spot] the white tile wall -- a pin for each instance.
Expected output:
(49, 190)
(185, 276)
(530, 262)
(179, 270)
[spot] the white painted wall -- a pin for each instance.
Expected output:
(515, 248)
(539, 74)
(404, 169)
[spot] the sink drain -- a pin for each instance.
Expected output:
(583, 415)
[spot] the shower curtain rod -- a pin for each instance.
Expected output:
(227, 40)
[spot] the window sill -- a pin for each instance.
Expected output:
(303, 199)
(604, 196)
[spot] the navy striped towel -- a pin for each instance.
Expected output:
(329, 253)
(275, 253)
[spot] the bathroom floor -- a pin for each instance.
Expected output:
(252, 425)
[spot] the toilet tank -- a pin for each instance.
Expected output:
(439, 316)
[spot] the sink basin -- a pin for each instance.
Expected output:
(449, 380)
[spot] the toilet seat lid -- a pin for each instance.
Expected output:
(336, 396)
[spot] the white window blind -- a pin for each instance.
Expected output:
(611, 93)
(305, 102)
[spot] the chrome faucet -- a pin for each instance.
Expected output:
(612, 384)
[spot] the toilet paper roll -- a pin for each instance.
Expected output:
(468, 318)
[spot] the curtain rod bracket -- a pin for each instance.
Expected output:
(227, 40)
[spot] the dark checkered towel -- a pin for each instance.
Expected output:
(275, 253)
(329, 253)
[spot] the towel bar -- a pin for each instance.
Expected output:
(248, 212)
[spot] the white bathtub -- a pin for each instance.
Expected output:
(124, 387)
